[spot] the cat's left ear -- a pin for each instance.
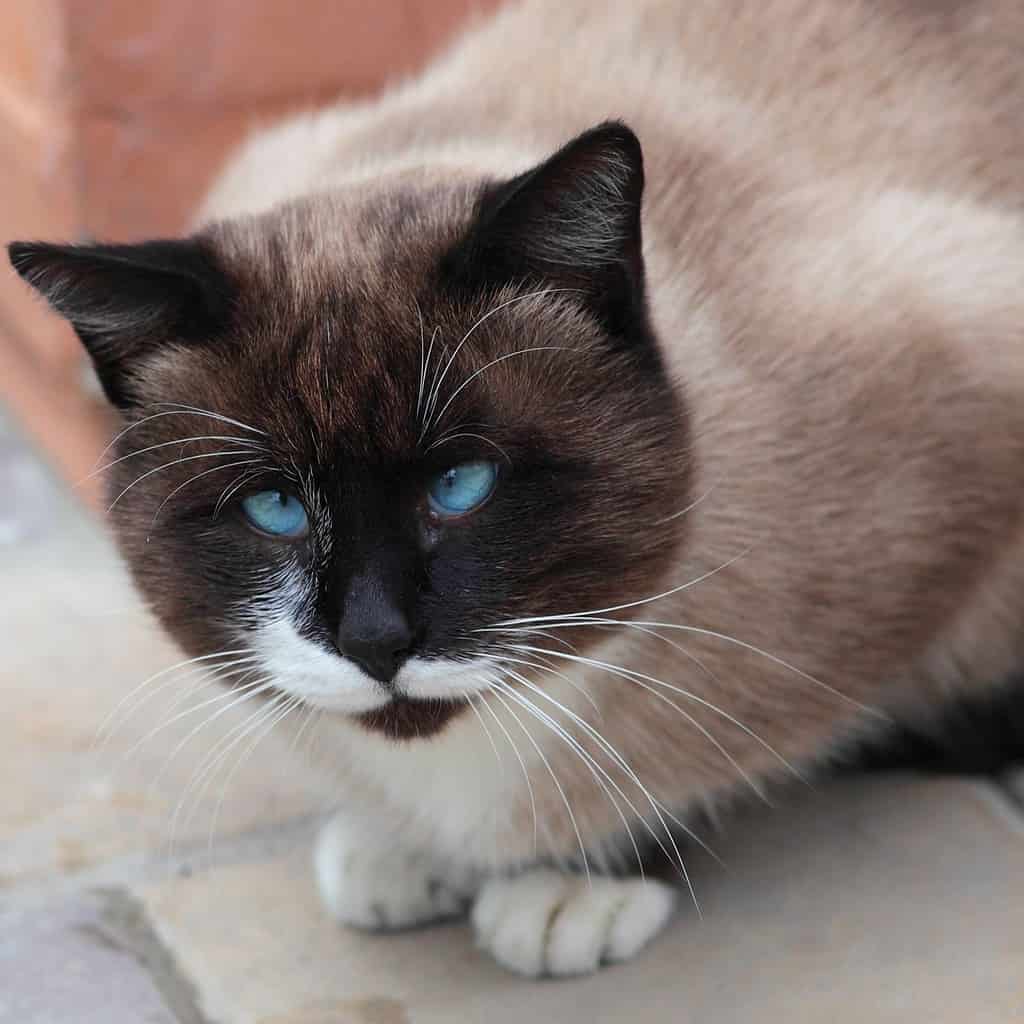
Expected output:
(572, 222)
(125, 302)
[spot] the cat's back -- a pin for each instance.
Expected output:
(930, 92)
(824, 162)
(926, 94)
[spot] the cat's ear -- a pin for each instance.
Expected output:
(126, 301)
(573, 222)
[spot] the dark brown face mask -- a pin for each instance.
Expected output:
(510, 335)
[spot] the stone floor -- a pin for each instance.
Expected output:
(129, 892)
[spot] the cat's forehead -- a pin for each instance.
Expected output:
(343, 335)
(360, 239)
(329, 304)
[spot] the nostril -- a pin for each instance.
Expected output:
(374, 631)
(380, 658)
(400, 654)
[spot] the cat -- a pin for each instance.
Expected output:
(625, 414)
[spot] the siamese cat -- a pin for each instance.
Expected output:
(625, 414)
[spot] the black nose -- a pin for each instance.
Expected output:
(375, 630)
(379, 651)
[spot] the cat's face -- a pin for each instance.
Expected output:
(365, 429)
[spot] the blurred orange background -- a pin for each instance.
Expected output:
(114, 116)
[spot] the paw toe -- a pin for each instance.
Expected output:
(641, 915)
(544, 922)
(511, 918)
(576, 941)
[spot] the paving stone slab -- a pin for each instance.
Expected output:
(888, 900)
(64, 965)
(74, 642)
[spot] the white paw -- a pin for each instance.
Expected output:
(544, 922)
(364, 883)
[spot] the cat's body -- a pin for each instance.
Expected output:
(829, 448)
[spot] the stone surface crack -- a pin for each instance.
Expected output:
(124, 926)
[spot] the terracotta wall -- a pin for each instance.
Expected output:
(115, 113)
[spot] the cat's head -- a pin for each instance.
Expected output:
(368, 427)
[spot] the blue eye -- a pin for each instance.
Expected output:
(462, 488)
(276, 513)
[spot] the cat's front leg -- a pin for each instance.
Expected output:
(544, 922)
(369, 881)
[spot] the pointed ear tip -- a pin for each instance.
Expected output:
(616, 140)
(618, 127)
(618, 133)
(24, 256)
(18, 252)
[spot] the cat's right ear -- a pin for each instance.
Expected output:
(125, 302)
(572, 222)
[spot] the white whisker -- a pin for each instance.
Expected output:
(167, 465)
(232, 488)
(522, 765)
(493, 808)
(203, 772)
(618, 759)
(689, 508)
(191, 683)
(244, 442)
(285, 710)
(875, 712)
(434, 384)
(611, 623)
(423, 362)
(467, 335)
(244, 691)
(554, 779)
(108, 720)
(196, 411)
(236, 734)
(465, 433)
(642, 680)
(192, 479)
(494, 362)
(174, 411)
(483, 725)
(621, 607)
(591, 765)
(544, 666)
(697, 630)
(313, 712)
